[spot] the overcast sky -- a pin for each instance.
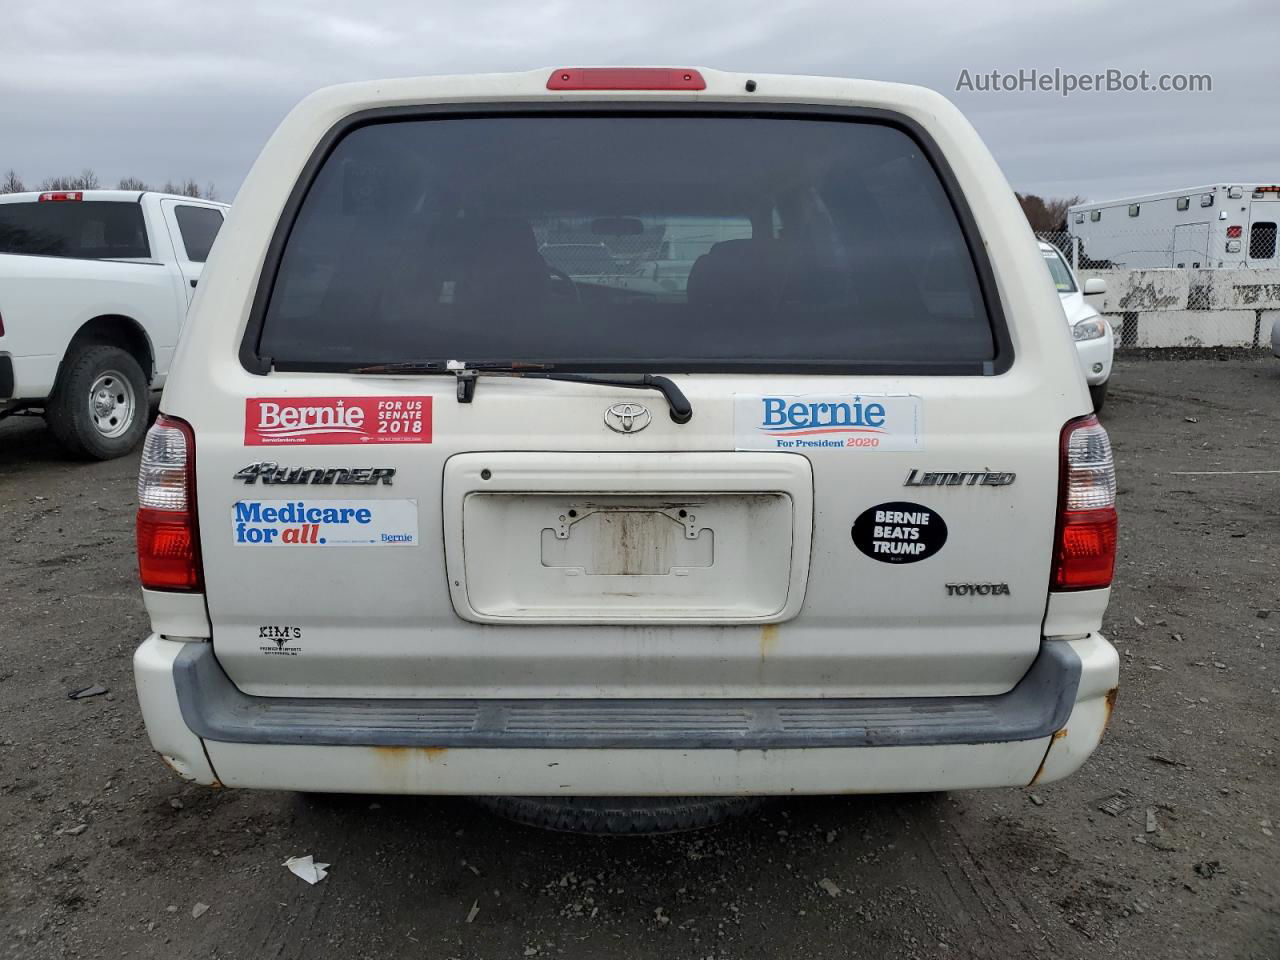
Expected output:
(163, 90)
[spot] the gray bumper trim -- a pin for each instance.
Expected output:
(1038, 706)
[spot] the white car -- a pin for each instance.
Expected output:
(417, 518)
(1093, 336)
(94, 285)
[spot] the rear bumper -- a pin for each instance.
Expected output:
(211, 732)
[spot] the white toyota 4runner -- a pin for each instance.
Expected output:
(423, 513)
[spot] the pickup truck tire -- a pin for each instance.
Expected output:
(620, 816)
(100, 404)
(1099, 396)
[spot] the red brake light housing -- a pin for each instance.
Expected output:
(625, 78)
(168, 533)
(1233, 233)
(1084, 548)
(60, 195)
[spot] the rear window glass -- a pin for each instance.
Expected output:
(199, 226)
(679, 243)
(88, 229)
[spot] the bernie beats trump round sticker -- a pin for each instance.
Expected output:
(899, 532)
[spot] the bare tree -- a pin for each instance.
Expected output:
(189, 188)
(88, 180)
(12, 183)
(132, 183)
(1046, 215)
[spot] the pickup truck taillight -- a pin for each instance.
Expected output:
(1084, 550)
(168, 535)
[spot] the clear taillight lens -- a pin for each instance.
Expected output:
(1085, 541)
(168, 537)
(1089, 477)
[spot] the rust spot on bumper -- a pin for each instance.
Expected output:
(403, 753)
(1110, 706)
(1045, 759)
(768, 639)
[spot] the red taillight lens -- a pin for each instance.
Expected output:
(59, 195)
(1233, 233)
(167, 551)
(168, 535)
(625, 78)
(1084, 552)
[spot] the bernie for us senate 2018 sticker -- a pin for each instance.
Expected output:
(325, 523)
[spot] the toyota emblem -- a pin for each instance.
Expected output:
(627, 417)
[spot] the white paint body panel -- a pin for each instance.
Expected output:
(46, 300)
(177, 615)
(404, 622)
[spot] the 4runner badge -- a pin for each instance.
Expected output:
(271, 472)
(627, 417)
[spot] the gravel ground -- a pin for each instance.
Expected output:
(103, 853)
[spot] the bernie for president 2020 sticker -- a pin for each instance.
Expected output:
(899, 532)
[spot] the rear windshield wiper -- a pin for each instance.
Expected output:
(467, 373)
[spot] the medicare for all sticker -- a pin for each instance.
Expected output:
(277, 421)
(855, 421)
(324, 523)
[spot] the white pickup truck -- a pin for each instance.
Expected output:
(94, 286)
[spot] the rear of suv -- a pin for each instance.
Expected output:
(425, 513)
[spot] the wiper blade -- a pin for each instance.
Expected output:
(450, 366)
(467, 372)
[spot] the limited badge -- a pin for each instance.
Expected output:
(899, 532)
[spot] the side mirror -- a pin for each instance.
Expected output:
(1095, 285)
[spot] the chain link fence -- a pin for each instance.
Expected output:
(1217, 285)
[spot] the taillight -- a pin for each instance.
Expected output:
(1233, 233)
(168, 535)
(60, 195)
(1084, 550)
(625, 78)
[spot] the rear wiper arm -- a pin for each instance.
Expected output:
(680, 408)
(467, 374)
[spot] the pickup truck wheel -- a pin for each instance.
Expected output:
(100, 404)
(1099, 395)
(620, 816)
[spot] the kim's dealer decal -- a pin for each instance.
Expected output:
(899, 532)
(325, 523)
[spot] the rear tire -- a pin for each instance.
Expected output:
(620, 816)
(1099, 395)
(100, 404)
